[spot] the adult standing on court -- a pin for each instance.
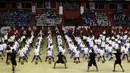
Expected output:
(8, 51)
(118, 60)
(60, 59)
(92, 60)
(13, 59)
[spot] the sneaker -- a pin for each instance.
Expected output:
(113, 70)
(123, 71)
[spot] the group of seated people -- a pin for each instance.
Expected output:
(121, 19)
(17, 18)
(102, 19)
(48, 18)
(88, 18)
(95, 18)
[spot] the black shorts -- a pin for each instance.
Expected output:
(118, 62)
(92, 62)
(60, 61)
(13, 62)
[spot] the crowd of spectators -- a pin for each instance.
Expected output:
(121, 19)
(102, 19)
(17, 18)
(88, 18)
(48, 18)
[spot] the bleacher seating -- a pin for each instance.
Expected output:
(18, 18)
(102, 19)
(95, 19)
(48, 18)
(88, 18)
(121, 19)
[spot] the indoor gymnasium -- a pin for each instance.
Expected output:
(64, 36)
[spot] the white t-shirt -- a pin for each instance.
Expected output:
(103, 44)
(6, 37)
(106, 47)
(74, 49)
(28, 41)
(127, 45)
(17, 44)
(126, 51)
(95, 47)
(12, 38)
(110, 49)
(63, 51)
(11, 48)
(82, 45)
(59, 42)
(4, 45)
(49, 53)
(103, 38)
(36, 51)
(79, 41)
(101, 52)
(15, 47)
(1, 47)
(71, 46)
(109, 41)
(113, 44)
(23, 37)
(99, 41)
(59, 36)
(38, 47)
(25, 49)
(21, 53)
(91, 43)
(122, 48)
(27, 45)
(77, 53)
(116, 46)
(40, 38)
(86, 50)
(60, 48)
(51, 47)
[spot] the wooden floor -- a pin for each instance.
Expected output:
(45, 67)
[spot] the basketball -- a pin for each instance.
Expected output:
(36, 58)
(103, 61)
(77, 62)
(36, 62)
(49, 60)
(8, 62)
(22, 62)
(128, 61)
